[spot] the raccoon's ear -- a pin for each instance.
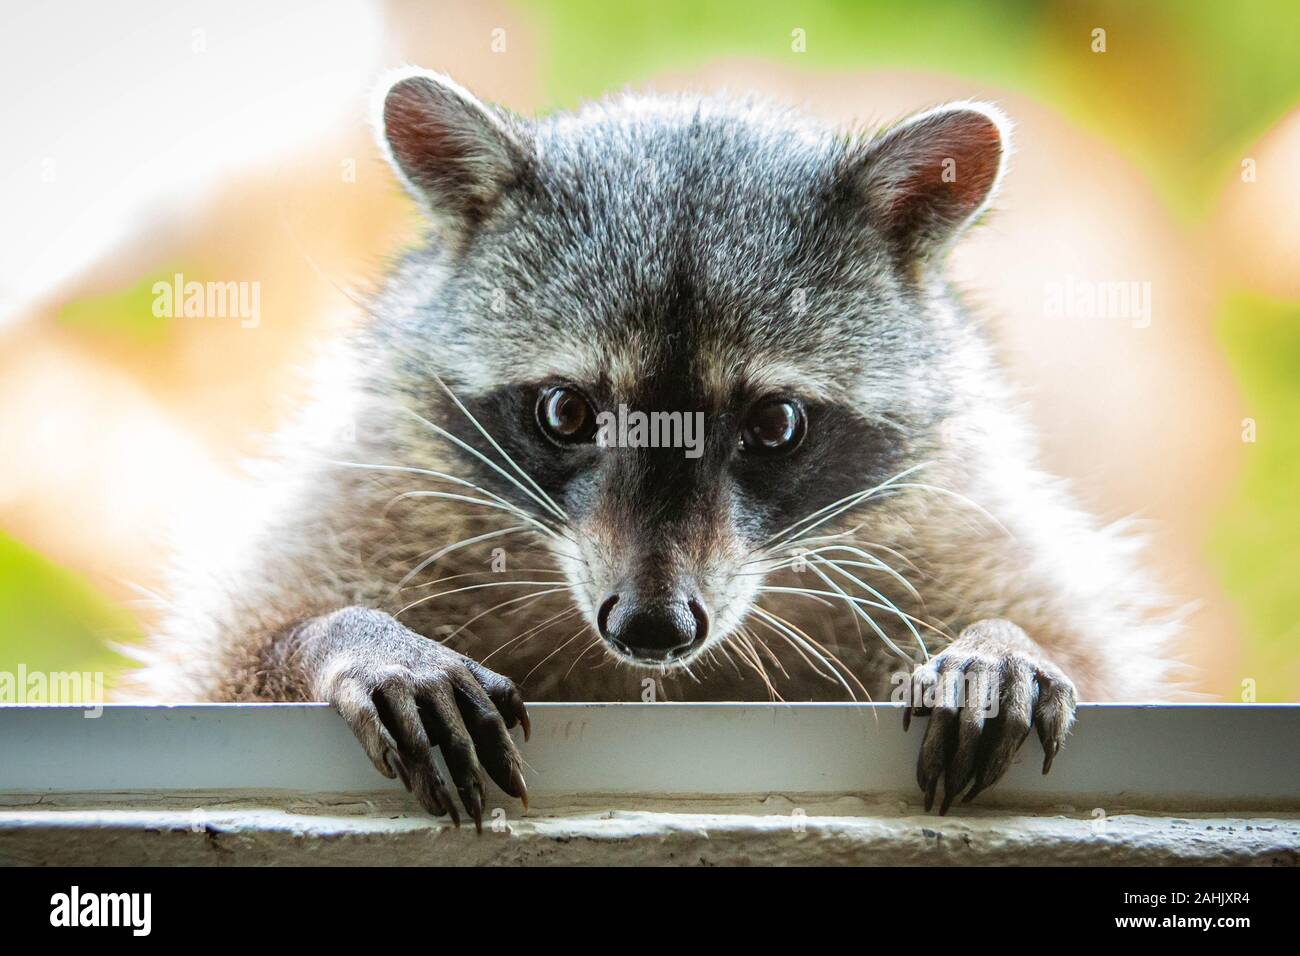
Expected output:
(926, 178)
(454, 154)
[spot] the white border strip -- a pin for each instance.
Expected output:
(1194, 756)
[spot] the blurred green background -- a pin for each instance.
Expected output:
(1187, 89)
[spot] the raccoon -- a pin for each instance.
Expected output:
(862, 518)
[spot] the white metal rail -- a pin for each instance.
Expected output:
(1198, 756)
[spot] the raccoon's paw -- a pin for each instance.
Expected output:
(982, 694)
(403, 695)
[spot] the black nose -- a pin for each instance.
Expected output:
(653, 630)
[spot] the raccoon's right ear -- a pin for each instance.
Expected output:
(927, 178)
(454, 153)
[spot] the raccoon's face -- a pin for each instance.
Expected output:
(699, 332)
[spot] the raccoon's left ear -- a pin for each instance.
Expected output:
(928, 177)
(454, 153)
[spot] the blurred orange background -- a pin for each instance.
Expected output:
(229, 142)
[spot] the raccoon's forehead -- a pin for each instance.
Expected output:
(662, 345)
(709, 248)
(632, 368)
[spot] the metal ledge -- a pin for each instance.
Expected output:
(1186, 757)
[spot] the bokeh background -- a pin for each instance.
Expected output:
(228, 142)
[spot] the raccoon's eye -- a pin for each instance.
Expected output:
(565, 415)
(772, 426)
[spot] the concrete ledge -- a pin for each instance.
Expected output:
(387, 829)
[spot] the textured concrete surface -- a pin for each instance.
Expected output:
(386, 828)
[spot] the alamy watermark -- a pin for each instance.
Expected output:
(84, 688)
(133, 911)
(635, 429)
(179, 299)
(973, 690)
(1129, 300)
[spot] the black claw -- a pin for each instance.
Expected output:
(430, 802)
(449, 805)
(947, 800)
(519, 790)
(397, 765)
(907, 718)
(929, 794)
(1049, 756)
(474, 806)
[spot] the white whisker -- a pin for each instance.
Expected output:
(505, 504)
(487, 584)
(907, 619)
(852, 501)
(462, 543)
(797, 649)
(535, 629)
(871, 622)
(800, 638)
(771, 655)
(438, 429)
(856, 600)
(468, 499)
(476, 574)
(959, 497)
(573, 637)
(556, 509)
(872, 562)
(594, 641)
